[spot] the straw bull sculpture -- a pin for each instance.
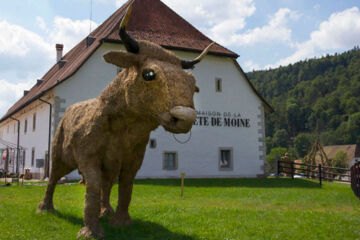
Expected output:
(106, 137)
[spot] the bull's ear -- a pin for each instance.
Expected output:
(121, 58)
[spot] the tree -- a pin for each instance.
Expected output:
(269, 144)
(275, 155)
(315, 95)
(303, 143)
(281, 138)
(354, 127)
(341, 161)
(293, 116)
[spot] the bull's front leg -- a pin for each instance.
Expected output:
(126, 182)
(107, 181)
(122, 217)
(92, 228)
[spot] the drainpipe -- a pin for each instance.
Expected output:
(47, 166)
(17, 145)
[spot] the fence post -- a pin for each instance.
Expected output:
(320, 177)
(357, 180)
(292, 169)
(307, 171)
(182, 184)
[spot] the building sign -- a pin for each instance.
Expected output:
(221, 119)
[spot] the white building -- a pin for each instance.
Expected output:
(228, 138)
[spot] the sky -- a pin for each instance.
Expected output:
(266, 34)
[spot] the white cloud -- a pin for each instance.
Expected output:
(11, 92)
(250, 65)
(216, 18)
(275, 31)
(69, 32)
(340, 32)
(28, 55)
(41, 22)
(22, 52)
(18, 42)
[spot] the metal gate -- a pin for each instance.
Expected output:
(10, 162)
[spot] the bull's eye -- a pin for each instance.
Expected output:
(148, 75)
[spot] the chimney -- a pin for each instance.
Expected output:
(59, 51)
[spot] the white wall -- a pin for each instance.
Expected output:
(200, 156)
(37, 139)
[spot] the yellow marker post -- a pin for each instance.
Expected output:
(182, 184)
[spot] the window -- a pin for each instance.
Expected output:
(225, 159)
(34, 122)
(14, 127)
(152, 143)
(32, 156)
(218, 84)
(25, 126)
(170, 161)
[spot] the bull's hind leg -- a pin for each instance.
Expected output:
(58, 170)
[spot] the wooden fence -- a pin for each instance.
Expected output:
(355, 178)
(323, 173)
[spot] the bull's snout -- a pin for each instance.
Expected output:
(179, 119)
(184, 117)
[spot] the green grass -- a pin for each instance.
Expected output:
(211, 209)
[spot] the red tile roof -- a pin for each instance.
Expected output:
(154, 21)
(151, 20)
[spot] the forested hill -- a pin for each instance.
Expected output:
(313, 96)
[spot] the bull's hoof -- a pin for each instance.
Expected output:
(91, 233)
(106, 212)
(121, 221)
(44, 207)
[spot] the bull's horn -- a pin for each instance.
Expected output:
(130, 44)
(191, 64)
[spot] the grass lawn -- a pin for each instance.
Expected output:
(211, 209)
